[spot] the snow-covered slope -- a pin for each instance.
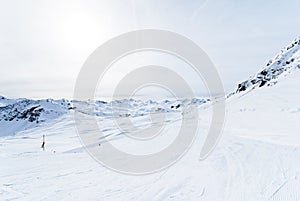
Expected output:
(256, 158)
(264, 126)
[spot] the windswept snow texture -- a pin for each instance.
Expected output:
(257, 157)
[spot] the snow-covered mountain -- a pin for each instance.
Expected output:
(281, 65)
(20, 114)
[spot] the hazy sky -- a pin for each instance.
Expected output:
(43, 44)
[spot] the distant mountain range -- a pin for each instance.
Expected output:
(20, 114)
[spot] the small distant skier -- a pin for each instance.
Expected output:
(43, 144)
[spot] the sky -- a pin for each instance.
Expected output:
(43, 44)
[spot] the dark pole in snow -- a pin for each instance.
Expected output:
(43, 144)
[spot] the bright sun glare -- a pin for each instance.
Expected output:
(81, 29)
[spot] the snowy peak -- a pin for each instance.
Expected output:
(283, 63)
(21, 114)
(31, 110)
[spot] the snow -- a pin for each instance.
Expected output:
(256, 158)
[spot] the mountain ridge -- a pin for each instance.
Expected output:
(281, 65)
